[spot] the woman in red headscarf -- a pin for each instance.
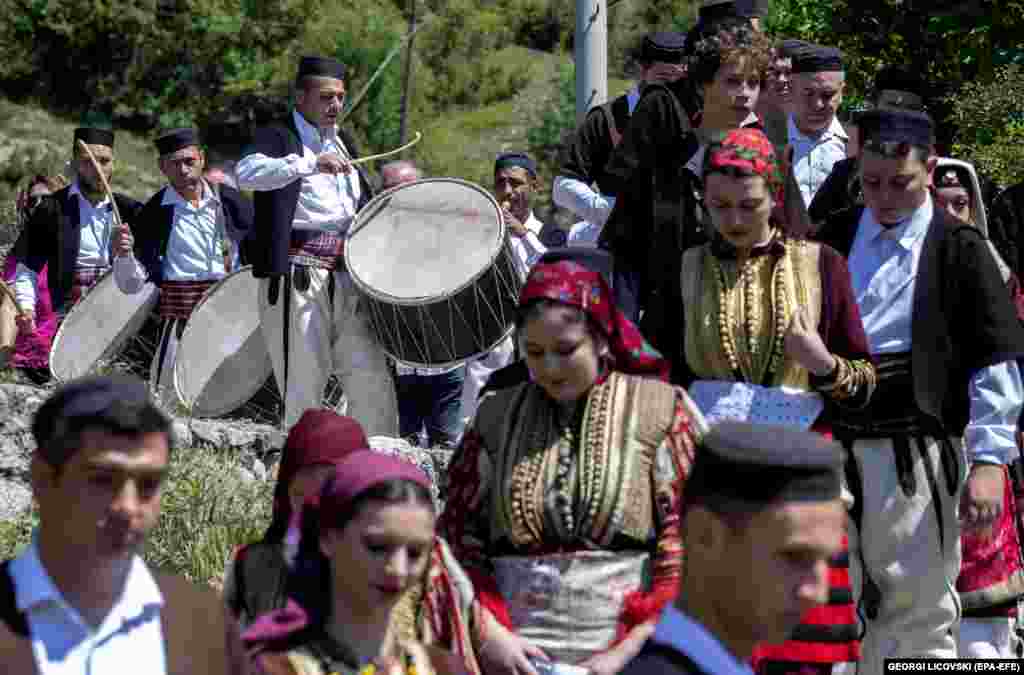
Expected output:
(777, 314)
(563, 496)
(439, 610)
(365, 542)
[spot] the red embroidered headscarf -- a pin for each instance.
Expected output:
(750, 151)
(573, 284)
(319, 437)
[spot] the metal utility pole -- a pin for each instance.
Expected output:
(407, 77)
(591, 55)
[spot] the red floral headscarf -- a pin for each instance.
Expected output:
(573, 284)
(748, 150)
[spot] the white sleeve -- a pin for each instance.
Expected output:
(25, 287)
(581, 199)
(129, 274)
(260, 173)
(996, 394)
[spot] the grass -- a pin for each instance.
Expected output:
(207, 510)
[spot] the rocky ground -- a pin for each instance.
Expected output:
(256, 446)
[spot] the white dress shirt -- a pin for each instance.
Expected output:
(583, 234)
(814, 157)
(198, 234)
(97, 224)
(582, 199)
(130, 638)
(326, 201)
(883, 271)
(528, 248)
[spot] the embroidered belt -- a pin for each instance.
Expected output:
(316, 248)
(569, 604)
(83, 279)
(179, 298)
(893, 409)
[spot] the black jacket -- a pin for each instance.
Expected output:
(153, 228)
(963, 318)
(53, 236)
(275, 209)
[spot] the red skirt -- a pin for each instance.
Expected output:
(991, 578)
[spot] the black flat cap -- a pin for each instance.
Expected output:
(664, 46)
(508, 160)
(898, 86)
(88, 397)
(817, 59)
(885, 130)
(713, 11)
(176, 139)
(762, 464)
(752, 8)
(94, 136)
(319, 66)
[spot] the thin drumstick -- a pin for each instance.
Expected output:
(103, 179)
(364, 160)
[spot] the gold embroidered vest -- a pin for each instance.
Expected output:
(759, 304)
(609, 481)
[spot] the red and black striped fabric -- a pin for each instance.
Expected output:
(179, 298)
(827, 635)
(316, 249)
(82, 280)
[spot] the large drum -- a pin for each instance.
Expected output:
(98, 326)
(8, 323)
(435, 270)
(222, 358)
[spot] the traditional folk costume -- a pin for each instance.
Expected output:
(570, 531)
(295, 640)
(311, 314)
(814, 156)
(936, 277)
(185, 249)
(32, 350)
(71, 236)
(724, 323)
(749, 464)
(585, 155)
(441, 611)
(991, 581)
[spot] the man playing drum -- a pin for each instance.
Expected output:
(515, 186)
(307, 195)
(72, 230)
(188, 238)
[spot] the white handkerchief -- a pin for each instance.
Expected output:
(742, 402)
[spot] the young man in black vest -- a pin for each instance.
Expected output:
(73, 230)
(585, 155)
(762, 516)
(190, 236)
(946, 340)
(79, 598)
(307, 197)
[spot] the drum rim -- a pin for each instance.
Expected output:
(185, 331)
(366, 289)
(154, 298)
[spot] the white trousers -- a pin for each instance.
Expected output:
(328, 338)
(989, 638)
(898, 547)
(161, 372)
